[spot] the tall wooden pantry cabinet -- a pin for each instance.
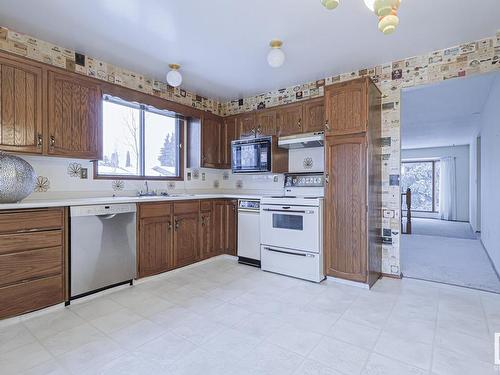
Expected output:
(353, 194)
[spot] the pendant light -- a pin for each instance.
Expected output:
(386, 11)
(330, 4)
(276, 56)
(174, 77)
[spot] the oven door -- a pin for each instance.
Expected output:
(292, 227)
(251, 156)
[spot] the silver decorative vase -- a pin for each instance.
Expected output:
(17, 178)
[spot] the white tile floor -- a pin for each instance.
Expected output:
(223, 318)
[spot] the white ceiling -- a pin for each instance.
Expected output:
(222, 44)
(445, 113)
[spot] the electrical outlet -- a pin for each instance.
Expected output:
(203, 176)
(84, 173)
(189, 176)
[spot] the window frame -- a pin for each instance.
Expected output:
(433, 162)
(180, 127)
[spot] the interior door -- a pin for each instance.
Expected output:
(346, 107)
(185, 239)
(20, 107)
(74, 116)
(345, 214)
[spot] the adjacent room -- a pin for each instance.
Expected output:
(444, 163)
(226, 187)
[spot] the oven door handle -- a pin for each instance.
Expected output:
(286, 252)
(294, 211)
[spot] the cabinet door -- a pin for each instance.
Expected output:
(20, 107)
(210, 142)
(74, 115)
(345, 208)
(219, 223)
(346, 107)
(231, 220)
(207, 235)
(229, 134)
(247, 124)
(155, 245)
(266, 122)
(185, 239)
(314, 115)
(290, 120)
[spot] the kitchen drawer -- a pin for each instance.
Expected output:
(30, 241)
(33, 295)
(26, 265)
(186, 207)
(206, 205)
(31, 220)
(155, 209)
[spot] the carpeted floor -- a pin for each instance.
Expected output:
(455, 261)
(442, 228)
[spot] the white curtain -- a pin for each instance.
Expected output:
(448, 189)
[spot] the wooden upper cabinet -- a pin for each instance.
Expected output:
(247, 124)
(345, 207)
(20, 107)
(265, 122)
(314, 115)
(346, 107)
(229, 134)
(74, 116)
(211, 142)
(290, 120)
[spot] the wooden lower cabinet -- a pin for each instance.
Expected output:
(32, 260)
(185, 239)
(173, 235)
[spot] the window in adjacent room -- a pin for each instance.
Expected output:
(422, 177)
(139, 142)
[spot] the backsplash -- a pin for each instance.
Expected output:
(60, 177)
(39, 50)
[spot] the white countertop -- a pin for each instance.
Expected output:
(62, 202)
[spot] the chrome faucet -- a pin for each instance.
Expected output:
(146, 193)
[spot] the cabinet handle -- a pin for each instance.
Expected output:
(327, 178)
(52, 141)
(39, 140)
(177, 224)
(327, 125)
(203, 221)
(169, 225)
(299, 123)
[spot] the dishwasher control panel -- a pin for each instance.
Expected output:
(102, 209)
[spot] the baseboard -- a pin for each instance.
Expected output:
(392, 276)
(348, 282)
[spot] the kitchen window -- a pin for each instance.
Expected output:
(139, 142)
(422, 177)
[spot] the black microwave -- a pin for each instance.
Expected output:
(251, 155)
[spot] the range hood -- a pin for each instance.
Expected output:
(304, 140)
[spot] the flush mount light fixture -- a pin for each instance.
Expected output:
(276, 56)
(386, 11)
(174, 77)
(330, 4)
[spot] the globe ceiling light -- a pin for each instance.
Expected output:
(174, 77)
(276, 56)
(330, 4)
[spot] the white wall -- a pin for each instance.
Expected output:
(461, 153)
(490, 174)
(474, 185)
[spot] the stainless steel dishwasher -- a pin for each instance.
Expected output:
(103, 247)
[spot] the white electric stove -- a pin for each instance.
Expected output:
(291, 228)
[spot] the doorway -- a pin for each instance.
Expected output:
(442, 178)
